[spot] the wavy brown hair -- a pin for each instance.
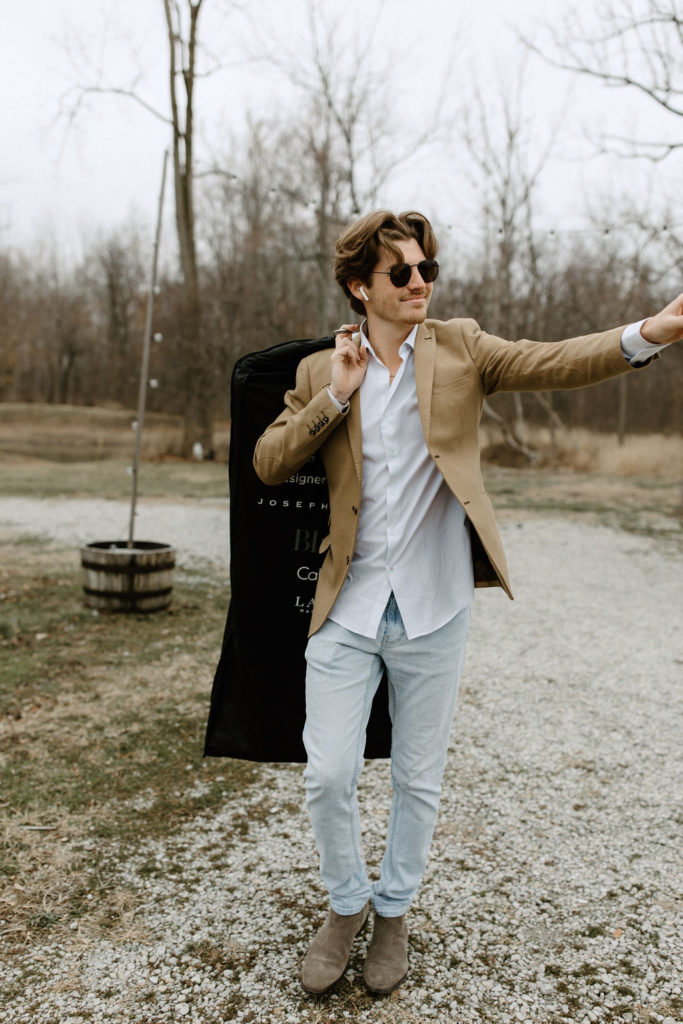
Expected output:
(359, 248)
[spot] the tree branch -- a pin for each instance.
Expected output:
(128, 94)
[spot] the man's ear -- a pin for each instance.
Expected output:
(356, 287)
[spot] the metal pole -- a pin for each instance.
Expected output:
(142, 392)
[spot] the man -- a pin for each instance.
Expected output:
(394, 411)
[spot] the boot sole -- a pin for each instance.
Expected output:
(386, 991)
(322, 991)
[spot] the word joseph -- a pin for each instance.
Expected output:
(394, 412)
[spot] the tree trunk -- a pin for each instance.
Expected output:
(199, 410)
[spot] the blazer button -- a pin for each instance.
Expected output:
(348, 559)
(354, 510)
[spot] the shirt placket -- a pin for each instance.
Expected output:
(390, 427)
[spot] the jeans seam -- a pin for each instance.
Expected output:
(355, 820)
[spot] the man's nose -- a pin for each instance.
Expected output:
(416, 279)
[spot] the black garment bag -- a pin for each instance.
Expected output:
(258, 698)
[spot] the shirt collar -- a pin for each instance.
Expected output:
(409, 342)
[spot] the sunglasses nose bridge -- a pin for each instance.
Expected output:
(416, 280)
(420, 274)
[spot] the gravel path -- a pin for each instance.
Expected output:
(198, 531)
(553, 893)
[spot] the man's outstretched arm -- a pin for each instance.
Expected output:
(576, 362)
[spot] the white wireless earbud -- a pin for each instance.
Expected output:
(364, 293)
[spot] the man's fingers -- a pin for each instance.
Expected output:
(346, 329)
(344, 339)
(346, 350)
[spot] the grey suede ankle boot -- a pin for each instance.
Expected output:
(386, 964)
(328, 954)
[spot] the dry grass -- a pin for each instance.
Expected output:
(647, 456)
(175, 479)
(80, 434)
(70, 433)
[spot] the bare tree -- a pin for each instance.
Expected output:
(11, 317)
(631, 44)
(181, 27)
(181, 23)
(111, 279)
(505, 177)
(344, 144)
(182, 68)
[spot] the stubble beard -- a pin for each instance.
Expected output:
(413, 315)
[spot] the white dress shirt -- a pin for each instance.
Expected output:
(413, 537)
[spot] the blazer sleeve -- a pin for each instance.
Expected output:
(302, 427)
(545, 366)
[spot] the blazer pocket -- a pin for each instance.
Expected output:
(324, 544)
(452, 385)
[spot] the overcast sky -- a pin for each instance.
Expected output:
(67, 181)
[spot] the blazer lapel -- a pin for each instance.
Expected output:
(353, 428)
(425, 358)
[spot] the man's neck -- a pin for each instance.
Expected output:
(386, 339)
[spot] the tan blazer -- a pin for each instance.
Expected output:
(456, 366)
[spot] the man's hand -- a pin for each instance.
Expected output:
(666, 326)
(349, 363)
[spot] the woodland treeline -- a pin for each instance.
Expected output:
(73, 335)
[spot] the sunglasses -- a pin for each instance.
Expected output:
(399, 275)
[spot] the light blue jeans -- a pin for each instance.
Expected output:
(344, 670)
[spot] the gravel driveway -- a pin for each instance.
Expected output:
(198, 531)
(553, 892)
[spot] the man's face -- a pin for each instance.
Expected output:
(407, 305)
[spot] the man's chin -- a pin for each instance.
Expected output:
(415, 310)
(416, 316)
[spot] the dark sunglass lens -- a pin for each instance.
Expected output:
(428, 270)
(400, 276)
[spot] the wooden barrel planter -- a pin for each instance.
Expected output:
(117, 578)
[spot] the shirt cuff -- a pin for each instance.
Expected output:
(339, 407)
(636, 350)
